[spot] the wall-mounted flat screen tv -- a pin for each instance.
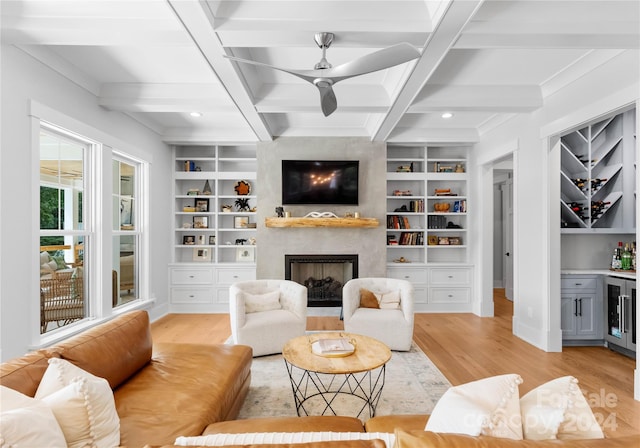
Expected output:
(329, 182)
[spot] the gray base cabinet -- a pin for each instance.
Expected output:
(582, 309)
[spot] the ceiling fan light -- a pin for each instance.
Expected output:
(447, 115)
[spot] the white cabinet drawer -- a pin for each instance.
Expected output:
(191, 276)
(414, 275)
(192, 295)
(223, 295)
(449, 276)
(420, 295)
(449, 295)
(582, 283)
(228, 276)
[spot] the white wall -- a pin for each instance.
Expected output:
(24, 80)
(536, 293)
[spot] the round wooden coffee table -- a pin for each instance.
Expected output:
(317, 381)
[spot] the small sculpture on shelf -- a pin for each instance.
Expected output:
(280, 212)
(207, 188)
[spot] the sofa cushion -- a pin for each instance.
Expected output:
(19, 413)
(183, 389)
(558, 409)
(490, 406)
(114, 350)
(24, 373)
(288, 424)
(284, 439)
(426, 439)
(389, 423)
(82, 403)
(374, 443)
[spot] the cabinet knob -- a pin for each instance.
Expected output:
(450, 276)
(450, 295)
(192, 276)
(406, 276)
(235, 276)
(191, 296)
(578, 284)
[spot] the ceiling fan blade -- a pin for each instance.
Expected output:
(307, 75)
(378, 60)
(328, 101)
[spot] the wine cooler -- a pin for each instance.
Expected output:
(621, 315)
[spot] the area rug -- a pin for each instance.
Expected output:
(413, 386)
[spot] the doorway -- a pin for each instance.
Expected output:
(503, 226)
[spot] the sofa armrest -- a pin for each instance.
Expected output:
(389, 423)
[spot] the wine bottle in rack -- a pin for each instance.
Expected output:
(580, 183)
(597, 183)
(598, 208)
(583, 159)
(578, 208)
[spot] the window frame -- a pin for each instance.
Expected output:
(97, 208)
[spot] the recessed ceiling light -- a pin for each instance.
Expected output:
(195, 114)
(447, 115)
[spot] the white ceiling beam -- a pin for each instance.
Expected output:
(63, 67)
(438, 98)
(433, 135)
(548, 41)
(438, 45)
(199, 23)
(166, 98)
(214, 135)
(301, 35)
(278, 98)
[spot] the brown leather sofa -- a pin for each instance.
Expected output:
(161, 391)
(408, 429)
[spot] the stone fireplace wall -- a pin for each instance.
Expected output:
(368, 243)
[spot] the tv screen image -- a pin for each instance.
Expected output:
(322, 182)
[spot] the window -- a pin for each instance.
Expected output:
(126, 230)
(64, 229)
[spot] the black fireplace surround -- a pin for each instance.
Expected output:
(323, 290)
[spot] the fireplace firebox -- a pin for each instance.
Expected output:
(323, 275)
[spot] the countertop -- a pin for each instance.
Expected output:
(630, 275)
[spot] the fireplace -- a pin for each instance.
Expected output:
(323, 275)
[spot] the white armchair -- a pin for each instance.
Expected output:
(393, 326)
(265, 314)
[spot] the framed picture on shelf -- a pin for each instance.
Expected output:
(443, 241)
(200, 222)
(455, 241)
(240, 222)
(202, 240)
(201, 205)
(245, 254)
(189, 240)
(203, 254)
(212, 240)
(432, 240)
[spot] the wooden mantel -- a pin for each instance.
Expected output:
(321, 222)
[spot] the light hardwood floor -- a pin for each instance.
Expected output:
(466, 347)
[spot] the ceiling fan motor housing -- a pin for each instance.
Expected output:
(324, 41)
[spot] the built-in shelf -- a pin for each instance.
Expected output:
(321, 222)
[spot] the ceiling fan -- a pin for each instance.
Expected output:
(324, 75)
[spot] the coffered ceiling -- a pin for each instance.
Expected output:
(159, 60)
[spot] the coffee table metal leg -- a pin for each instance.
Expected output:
(366, 386)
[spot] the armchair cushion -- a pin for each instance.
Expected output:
(368, 299)
(256, 303)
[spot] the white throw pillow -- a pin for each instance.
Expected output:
(490, 407)
(256, 303)
(389, 300)
(82, 403)
(558, 410)
(17, 421)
